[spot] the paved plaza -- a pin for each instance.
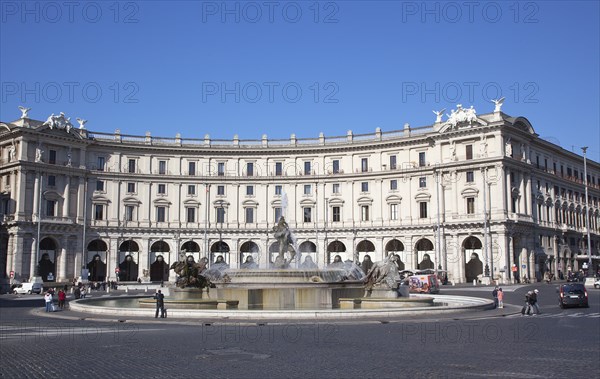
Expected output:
(495, 343)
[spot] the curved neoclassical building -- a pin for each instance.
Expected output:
(471, 195)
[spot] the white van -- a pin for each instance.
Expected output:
(28, 288)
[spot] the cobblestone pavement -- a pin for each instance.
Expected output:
(34, 346)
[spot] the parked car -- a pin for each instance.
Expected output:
(597, 284)
(572, 294)
(27, 288)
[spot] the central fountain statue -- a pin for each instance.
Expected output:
(284, 237)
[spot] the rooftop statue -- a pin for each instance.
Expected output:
(439, 115)
(24, 111)
(498, 103)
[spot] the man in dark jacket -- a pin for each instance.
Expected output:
(160, 304)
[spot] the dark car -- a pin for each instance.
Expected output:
(572, 294)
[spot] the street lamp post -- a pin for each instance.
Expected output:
(587, 219)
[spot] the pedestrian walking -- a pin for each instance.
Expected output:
(160, 304)
(62, 296)
(48, 300)
(495, 295)
(500, 298)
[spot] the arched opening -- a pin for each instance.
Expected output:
(96, 260)
(474, 266)
(424, 248)
(219, 249)
(308, 255)
(397, 248)
(336, 248)
(47, 262)
(128, 257)
(159, 266)
(249, 253)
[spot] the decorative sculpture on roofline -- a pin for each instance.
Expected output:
(439, 115)
(461, 115)
(498, 103)
(24, 111)
(59, 122)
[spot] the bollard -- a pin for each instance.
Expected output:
(146, 290)
(126, 289)
(474, 282)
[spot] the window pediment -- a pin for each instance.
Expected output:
(393, 199)
(469, 192)
(364, 200)
(423, 196)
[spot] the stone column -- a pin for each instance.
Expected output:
(32, 258)
(67, 196)
(61, 275)
(20, 194)
(36, 198)
(112, 258)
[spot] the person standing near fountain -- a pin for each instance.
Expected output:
(160, 304)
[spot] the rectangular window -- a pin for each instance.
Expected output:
(364, 186)
(336, 188)
(277, 211)
(307, 189)
(364, 165)
(162, 189)
(221, 169)
(470, 177)
(393, 184)
(423, 209)
(129, 209)
(364, 213)
(307, 211)
(131, 187)
(470, 205)
(131, 166)
(162, 167)
(51, 180)
(52, 156)
(99, 185)
(336, 166)
(249, 190)
(422, 162)
(307, 168)
(161, 214)
(98, 212)
(191, 189)
(220, 215)
(220, 190)
(337, 214)
(392, 162)
(51, 208)
(469, 151)
(249, 169)
(393, 211)
(191, 214)
(249, 215)
(278, 190)
(191, 168)
(100, 163)
(278, 168)
(422, 182)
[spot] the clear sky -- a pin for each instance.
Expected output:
(304, 67)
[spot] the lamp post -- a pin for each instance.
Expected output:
(587, 219)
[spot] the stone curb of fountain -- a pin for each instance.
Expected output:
(107, 314)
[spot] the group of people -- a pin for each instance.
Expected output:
(49, 299)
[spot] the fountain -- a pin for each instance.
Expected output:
(286, 290)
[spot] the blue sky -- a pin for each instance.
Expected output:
(277, 68)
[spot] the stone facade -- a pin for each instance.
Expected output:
(417, 192)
